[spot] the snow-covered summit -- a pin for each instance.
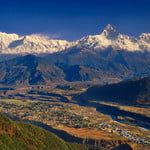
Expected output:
(15, 44)
(110, 32)
(111, 37)
(36, 43)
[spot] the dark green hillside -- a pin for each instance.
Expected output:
(136, 91)
(29, 70)
(24, 136)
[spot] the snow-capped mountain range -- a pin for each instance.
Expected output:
(15, 44)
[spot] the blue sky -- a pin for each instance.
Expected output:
(72, 19)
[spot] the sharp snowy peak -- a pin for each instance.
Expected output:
(110, 33)
(111, 38)
(15, 44)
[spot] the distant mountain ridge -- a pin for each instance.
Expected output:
(115, 64)
(33, 70)
(36, 43)
(29, 70)
(78, 64)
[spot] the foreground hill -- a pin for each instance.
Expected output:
(24, 136)
(135, 91)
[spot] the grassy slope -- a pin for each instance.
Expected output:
(24, 136)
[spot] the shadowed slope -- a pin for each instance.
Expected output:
(135, 91)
